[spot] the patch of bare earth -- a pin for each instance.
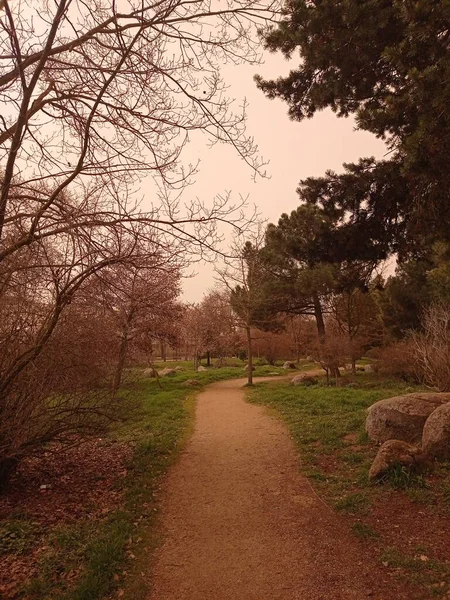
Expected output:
(240, 521)
(411, 530)
(60, 487)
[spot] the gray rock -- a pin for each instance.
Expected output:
(304, 380)
(179, 368)
(247, 367)
(289, 365)
(166, 372)
(402, 417)
(191, 383)
(150, 372)
(201, 369)
(396, 452)
(436, 433)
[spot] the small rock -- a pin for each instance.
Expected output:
(150, 372)
(289, 365)
(191, 383)
(201, 369)
(305, 380)
(397, 452)
(167, 371)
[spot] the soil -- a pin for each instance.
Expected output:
(240, 521)
(58, 488)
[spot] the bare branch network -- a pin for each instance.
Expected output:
(112, 90)
(94, 96)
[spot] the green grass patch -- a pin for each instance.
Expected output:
(17, 536)
(364, 531)
(87, 560)
(327, 424)
(401, 478)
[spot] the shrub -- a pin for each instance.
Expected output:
(399, 360)
(432, 347)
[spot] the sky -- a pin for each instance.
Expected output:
(294, 151)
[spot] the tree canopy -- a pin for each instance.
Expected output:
(387, 62)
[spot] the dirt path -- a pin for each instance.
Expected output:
(242, 523)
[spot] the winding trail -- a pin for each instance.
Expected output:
(241, 522)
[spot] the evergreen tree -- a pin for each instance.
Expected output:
(388, 63)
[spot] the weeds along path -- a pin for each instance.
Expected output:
(241, 522)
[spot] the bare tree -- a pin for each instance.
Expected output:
(96, 95)
(244, 276)
(107, 92)
(216, 323)
(140, 298)
(357, 318)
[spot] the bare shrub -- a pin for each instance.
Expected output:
(63, 392)
(398, 360)
(432, 346)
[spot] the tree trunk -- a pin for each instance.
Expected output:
(318, 314)
(121, 362)
(163, 350)
(7, 466)
(208, 358)
(250, 356)
(353, 366)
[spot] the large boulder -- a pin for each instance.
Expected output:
(304, 380)
(167, 372)
(436, 433)
(402, 417)
(247, 367)
(397, 453)
(201, 369)
(150, 372)
(289, 365)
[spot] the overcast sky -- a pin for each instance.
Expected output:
(294, 151)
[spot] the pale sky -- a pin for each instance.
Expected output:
(294, 151)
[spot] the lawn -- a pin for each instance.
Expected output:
(98, 536)
(405, 520)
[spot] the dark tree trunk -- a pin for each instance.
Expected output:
(250, 356)
(7, 467)
(163, 351)
(121, 362)
(318, 314)
(208, 359)
(122, 353)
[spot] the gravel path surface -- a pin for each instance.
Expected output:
(242, 523)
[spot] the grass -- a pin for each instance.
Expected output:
(99, 552)
(364, 531)
(326, 424)
(87, 561)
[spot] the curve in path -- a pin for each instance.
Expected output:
(241, 522)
